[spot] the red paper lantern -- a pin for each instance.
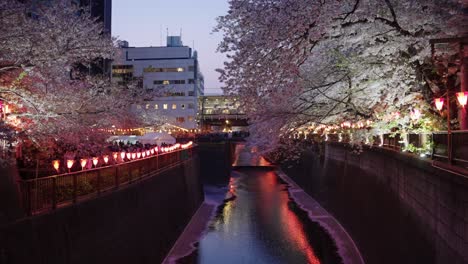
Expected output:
(439, 103)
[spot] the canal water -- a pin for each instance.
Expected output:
(258, 222)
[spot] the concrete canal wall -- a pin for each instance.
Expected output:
(396, 206)
(216, 161)
(137, 224)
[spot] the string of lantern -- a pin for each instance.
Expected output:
(120, 157)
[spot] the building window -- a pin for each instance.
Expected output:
(180, 119)
(191, 68)
(190, 118)
(191, 93)
(166, 82)
(156, 106)
(147, 106)
(191, 81)
(164, 106)
(182, 106)
(151, 69)
(191, 106)
(174, 106)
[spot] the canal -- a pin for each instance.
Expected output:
(258, 222)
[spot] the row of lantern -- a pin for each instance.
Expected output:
(124, 156)
(462, 98)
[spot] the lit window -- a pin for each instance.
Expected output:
(165, 106)
(147, 106)
(156, 106)
(180, 69)
(166, 82)
(180, 119)
(174, 106)
(190, 118)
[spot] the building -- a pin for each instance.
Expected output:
(172, 72)
(102, 10)
(221, 113)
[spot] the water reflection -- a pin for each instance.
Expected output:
(260, 224)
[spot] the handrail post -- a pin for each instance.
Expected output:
(130, 174)
(449, 148)
(54, 193)
(75, 187)
(29, 208)
(99, 182)
(116, 175)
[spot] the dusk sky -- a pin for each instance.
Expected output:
(142, 22)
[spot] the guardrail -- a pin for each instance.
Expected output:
(451, 147)
(48, 193)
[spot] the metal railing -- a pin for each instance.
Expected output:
(455, 153)
(47, 193)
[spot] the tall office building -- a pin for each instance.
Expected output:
(172, 71)
(102, 9)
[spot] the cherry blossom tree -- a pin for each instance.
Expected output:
(307, 62)
(45, 96)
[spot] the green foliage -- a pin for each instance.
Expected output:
(65, 191)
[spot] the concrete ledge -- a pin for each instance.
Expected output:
(347, 249)
(436, 197)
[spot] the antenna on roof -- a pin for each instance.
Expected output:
(160, 34)
(167, 32)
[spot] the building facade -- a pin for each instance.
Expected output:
(221, 113)
(172, 72)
